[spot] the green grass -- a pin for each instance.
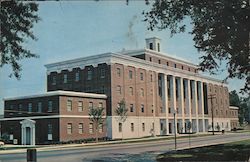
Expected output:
(235, 151)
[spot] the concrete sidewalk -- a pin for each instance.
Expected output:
(23, 148)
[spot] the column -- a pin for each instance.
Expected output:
(33, 139)
(22, 142)
(174, 101)
(196, 106)
(182, 104)
(166, 100)
(202, 108)
(189, 100)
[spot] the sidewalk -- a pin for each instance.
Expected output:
(22, 148)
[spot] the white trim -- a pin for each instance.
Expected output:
(60, 93)
(47, 117)
(234, 107)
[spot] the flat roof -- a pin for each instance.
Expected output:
(59, 93)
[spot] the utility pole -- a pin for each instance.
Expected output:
(212, 96)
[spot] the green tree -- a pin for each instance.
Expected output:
(220, 31)
(121, 112)
(234, 99)
(96, 116)
(17, 20)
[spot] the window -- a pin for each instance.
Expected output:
(158, 46)
(77, 76)
(132, 127)
(153, 126)
(142, 108)
(50, 106)
(130, 73)
(100, 105)
(182, 67)
(89, 74)
(167, 64)
(69, 128)
(142, 92)
(118, 71)
(100, 128)
(120, 127)
(119, 89)
(131, 91)
(143, 127)
(39, 107)
(175, 65)
(141, 76)
(169, 110)
(151, 77)
(49, 128)
(151, 46)
(69, 105)
(53, 80)
(80, 128)
(30, 107)
(90, 105)
(159, 61)
(150, 59)
(65, 78)
(20, 107)
(80, 106)
(91, 128)
(102, 75)
(188, 69)
(131, 107)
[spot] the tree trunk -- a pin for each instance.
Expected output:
(96, 134)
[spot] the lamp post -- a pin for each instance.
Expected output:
(212, 96)
(175, 142)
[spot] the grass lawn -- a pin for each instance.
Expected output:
(236, 151)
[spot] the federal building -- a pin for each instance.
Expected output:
(161, 92)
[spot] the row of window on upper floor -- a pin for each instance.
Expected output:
(80, 105)
(130, 74)
(77, 76)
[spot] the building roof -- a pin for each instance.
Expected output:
(60, 93)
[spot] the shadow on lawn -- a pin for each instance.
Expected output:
(224, 152)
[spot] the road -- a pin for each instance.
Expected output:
(144, 151)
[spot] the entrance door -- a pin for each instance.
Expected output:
(27, 135)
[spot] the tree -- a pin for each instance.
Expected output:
(17, 21)
(96, 117)
(220, 31)
(121, 112)
(234, 99)
(189, 126)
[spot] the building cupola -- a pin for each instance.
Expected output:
(153, 44)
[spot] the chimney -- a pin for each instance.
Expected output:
(153, 44)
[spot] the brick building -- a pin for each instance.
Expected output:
(156, 87)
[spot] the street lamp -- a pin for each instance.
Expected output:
(175, 142)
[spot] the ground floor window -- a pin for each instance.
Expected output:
(69, 128)
(120, 127)
(91, 125)
(80, 128)
(132, 127)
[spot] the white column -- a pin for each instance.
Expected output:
(22, 142)
(166, 101)
(189, 100)
(202, 108)
(174, 102)
(182, 104)
(33, 142)
(196, 105)
(24, 136)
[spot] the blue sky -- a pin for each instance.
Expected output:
(71, 29)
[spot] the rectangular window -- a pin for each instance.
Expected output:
(119, 89)
(69, 105)
(53, 80)
(39, 107)
(100, 105)
(143, 127)
(90, 105)
(20, 107)
(159, 61)
(150, 59)
(131, 91)
(151, 77)
(141, 76)
(118, 71)
(100, 128)
(80, 106)
(151, 46)
(102, 73)
(131, 108)
(65, 78)
(142, 92)
(49, 128)
(169, 110)
(167, 64)
(80, 128)
(120, 127)
(30, 107)
(69, 128)
(142, 108)
(130, 73)
(91, 130)
(89, 74)
(132, 127)
(50, 106)
(77, 76)
(175, 66)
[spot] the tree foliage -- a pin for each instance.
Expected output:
(121, 111)
(220, 31)
(17, 21)
(96, 117)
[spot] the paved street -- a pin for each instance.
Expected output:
(145, 151)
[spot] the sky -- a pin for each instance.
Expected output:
(72, 29)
